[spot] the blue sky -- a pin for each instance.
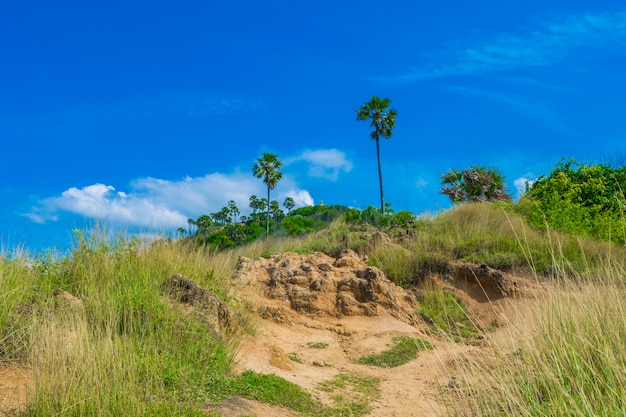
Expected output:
(143, 114)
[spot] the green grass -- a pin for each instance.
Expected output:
(273, 390)
(404, 350)
(446, 315)
(564, 356)
(317, 345)
(351, 393)
(294, 357)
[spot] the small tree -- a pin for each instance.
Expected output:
(191, 223)
(204, 224)
(478, 183)
(254, 204)
(267, 167)
(277, 213)
(289, 204)
(233, 210)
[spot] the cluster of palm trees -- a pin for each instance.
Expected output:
(478, 183)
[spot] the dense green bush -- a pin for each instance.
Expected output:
(580, 199)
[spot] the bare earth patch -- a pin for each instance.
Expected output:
(14, 381)
(352, 310)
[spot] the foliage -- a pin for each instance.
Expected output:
(317, 345)
(404, 350)
(267, 167)
(383, 121)
(567, 358)
(352, 393)
(474, 184)
(122, 348)
(298, 225)
(271, 389)
(581, 199)
(446, 314)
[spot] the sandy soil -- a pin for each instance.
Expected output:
(13, 388)
(419, 388)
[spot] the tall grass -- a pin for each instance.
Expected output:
(124, 348)
(562, 355)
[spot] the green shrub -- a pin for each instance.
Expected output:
(581, 199)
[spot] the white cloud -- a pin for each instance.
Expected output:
(520, 185)
(300, 197)
(544, 44)
(323, 163)
(164, 204)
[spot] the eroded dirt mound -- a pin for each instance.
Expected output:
(319, 314)
(319, 285)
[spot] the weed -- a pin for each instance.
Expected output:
(404, 350)
(317, 345)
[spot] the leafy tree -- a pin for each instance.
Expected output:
(478, 183)
(579, 198)
(289, 204)
(298, 225)
(267, 167)
(383, 121)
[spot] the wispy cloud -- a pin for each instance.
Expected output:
(543, 44)
(521, 184)
(323, 163)
(164, 204)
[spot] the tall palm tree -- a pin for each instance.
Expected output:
(383, 121)
(267, 167)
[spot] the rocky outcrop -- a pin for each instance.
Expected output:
(218, 315)
(484, 283)
(319, 285)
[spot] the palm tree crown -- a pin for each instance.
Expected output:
(478, 183)
(267, 167)
(383, 121)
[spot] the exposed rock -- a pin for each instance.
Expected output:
(67, 303)
(319, 285)
(485, 283)
(218, 315)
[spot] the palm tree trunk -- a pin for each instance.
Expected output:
(380, 178)
(267, 217)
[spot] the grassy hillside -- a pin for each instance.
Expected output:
(125, 349)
